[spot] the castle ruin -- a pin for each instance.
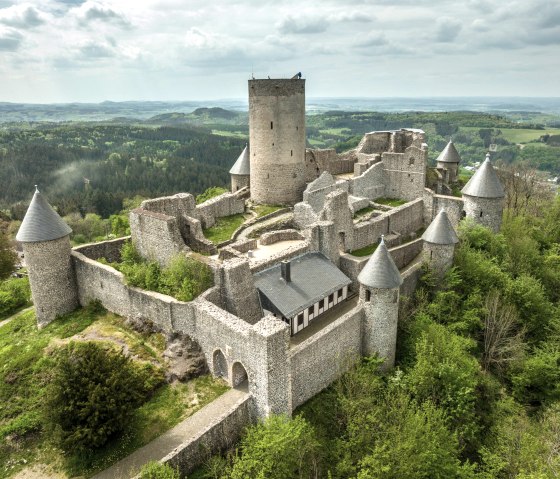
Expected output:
(291, 308)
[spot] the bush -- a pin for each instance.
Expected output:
(14, 293)
(155, 470)
(92, 395)
(185, 278)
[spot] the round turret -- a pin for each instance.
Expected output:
(483, 197)
(240, 171)
(277, 139)
(448, 160)
(380, 281)
(439, 244)
(46, 246)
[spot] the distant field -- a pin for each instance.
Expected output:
(520, 135)
(235, 134)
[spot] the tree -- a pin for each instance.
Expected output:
(92, 395)
(8, 257)
(279, 448)
(502, 338)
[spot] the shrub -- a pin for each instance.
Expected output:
(14, 293)
(92, 395)
(211, 192)
(155, 470)
(185, 278)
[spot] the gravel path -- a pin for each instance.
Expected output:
(163, 445)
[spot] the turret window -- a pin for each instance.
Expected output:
(368, 295)
(481, 214)
(271, 125)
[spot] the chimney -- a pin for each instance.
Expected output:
(285, 269)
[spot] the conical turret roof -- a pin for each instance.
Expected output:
(440, 230)
(243, 165)
(449, 154)
(380, 271)
(41, 222)
(484, 183)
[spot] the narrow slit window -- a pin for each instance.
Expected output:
(271, 125)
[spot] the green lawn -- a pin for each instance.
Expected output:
(26, 359)
(224, 228)
(390, 201)
(365, 251)
(363, 212)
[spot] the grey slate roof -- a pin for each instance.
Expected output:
(449, 154)
(41, 222)
(484, 183)
(380, 271)
(313, 277)
(242, 165)
(440, 230)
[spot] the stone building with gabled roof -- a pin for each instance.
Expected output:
(299, 290)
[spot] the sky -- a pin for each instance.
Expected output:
(96, 50)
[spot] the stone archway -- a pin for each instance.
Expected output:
(219, 364)
(238, 374)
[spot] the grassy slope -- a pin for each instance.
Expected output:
(25, 359)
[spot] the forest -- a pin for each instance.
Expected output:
(92, 167)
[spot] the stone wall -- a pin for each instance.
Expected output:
(285, 254)
(408, 218)
(280, 235)
(404, 254)
(222, 434)
(156, 236)
(181, 204)
(226, 204)
(369, 232)
(319, 160)
(318, 361)
(371, 184)
(452, 205)
(238, 182)
(405, 173)
(110, 250)
(259, 349)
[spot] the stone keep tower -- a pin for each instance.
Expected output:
(379, 296)
(47, 250)
(483, 197)
(439, 244)
(277, 139)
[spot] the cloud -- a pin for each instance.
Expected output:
(10, 39)
(447, 30)
(372, 40)
(91, 12)
(96, 50)
(312, 24)
(21, 16)
(298, 25)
